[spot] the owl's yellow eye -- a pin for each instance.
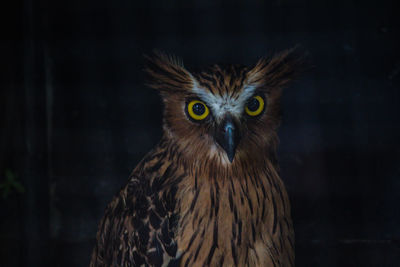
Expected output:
(197, 110)
(255, 106)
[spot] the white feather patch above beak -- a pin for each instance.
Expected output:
(225, 104)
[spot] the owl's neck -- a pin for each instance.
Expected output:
(223, 207)
(207, 156)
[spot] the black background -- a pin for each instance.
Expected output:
(76, 117)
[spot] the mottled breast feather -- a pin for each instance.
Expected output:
(168, 215)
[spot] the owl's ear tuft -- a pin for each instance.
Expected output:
(277, 71)
(167, 73)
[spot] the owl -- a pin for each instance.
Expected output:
(209, 194)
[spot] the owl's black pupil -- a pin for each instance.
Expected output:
(199, 109)
(253, 104)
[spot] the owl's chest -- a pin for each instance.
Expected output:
(226, 223)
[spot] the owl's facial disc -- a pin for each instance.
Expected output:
(228, 136)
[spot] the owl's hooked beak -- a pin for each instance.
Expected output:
(228, 136)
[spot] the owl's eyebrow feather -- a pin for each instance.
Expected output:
(222, 104)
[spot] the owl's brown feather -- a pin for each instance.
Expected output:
(185, 203)
(168, 73)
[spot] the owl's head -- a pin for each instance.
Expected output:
(225, 114)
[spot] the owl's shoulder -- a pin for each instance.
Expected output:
(139, 222)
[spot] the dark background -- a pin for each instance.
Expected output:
(76, 117)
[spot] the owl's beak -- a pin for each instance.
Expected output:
(228, 136)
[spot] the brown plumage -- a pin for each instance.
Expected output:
(209, 193)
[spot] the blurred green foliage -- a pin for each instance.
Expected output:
(10, 184)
